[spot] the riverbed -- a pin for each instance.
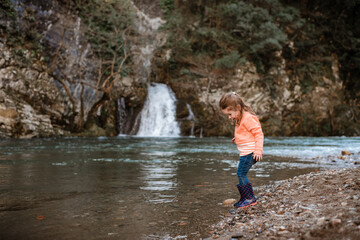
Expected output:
(140, 188)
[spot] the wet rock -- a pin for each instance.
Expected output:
(344, 152)
(229, 202)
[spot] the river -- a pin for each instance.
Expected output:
(139, 188)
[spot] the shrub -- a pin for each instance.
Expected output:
(230, 60)
(168, 7)
(106, 22)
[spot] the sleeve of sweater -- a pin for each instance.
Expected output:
(252, 124)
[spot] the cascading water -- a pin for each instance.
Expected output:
(122, 115)
(192, 119)
(157, 119)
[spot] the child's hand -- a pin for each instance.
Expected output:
(233, 140)
(257, 157)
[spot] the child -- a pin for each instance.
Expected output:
(249, 140)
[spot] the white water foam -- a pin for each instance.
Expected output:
(157, 119)
(310, 147)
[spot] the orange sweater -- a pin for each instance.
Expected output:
(249, 137)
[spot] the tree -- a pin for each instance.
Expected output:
(97, 61)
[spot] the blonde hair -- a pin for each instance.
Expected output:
(233, 101)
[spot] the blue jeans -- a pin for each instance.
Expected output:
(245, 164)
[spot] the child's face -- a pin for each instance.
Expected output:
(232, 114)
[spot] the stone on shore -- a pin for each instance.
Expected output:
(345, 153)
(228, 202)
(319, 205)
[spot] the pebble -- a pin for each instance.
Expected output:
(283, 232)
(312, 207)
(335, 221)
(237, 235)
(321, 221)
(345, 153)
(229, 202)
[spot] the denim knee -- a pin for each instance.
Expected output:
(245, 164)
(242, 172)
(243, 180)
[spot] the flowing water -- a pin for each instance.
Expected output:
(139, 188)
(157, 119)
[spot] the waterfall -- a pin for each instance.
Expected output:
(192, 119)
(157, 119)
(158, 115)
(122, 115)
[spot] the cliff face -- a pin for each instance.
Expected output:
(60, 76)
(284, 110)
(285, 66)
(30, 103)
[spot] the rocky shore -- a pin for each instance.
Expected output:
(319, 205)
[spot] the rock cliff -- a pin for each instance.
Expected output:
(30, 103)
(54, 82)
(284, 110)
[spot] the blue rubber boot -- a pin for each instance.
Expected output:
(248, 195)
(237, 204)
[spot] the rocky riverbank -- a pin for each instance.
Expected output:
(319, 205)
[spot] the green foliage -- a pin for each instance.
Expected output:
(8, 24)
(268, 38)
(338, 29)
(167, 6)
(330, 31)
(229, 61)
(106, 23)
(20, 38)
(177, 40)
(185, 71)
(309, 73)
(260, 30)
(30, 32)
(7, 10)
(255, 29)
(207, 32)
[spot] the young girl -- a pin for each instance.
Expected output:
(249, 140)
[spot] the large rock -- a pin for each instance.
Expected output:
(30, 102)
